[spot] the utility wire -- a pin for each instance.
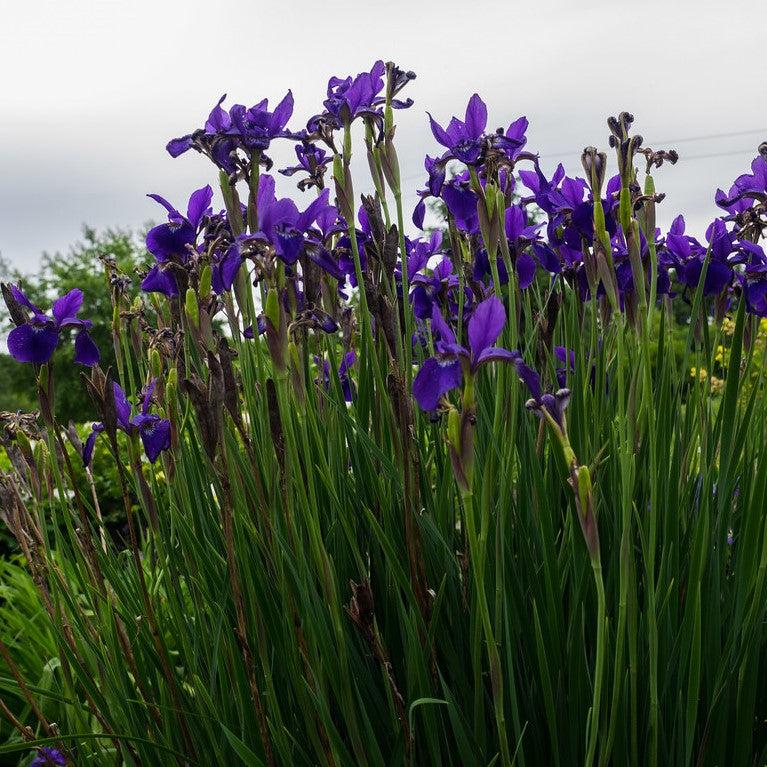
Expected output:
(672, 142)
(682, 157)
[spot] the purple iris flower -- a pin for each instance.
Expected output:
(567, 358)
(351, 97)
(754, 276)
(569, 207)
(240, 128)
(541, 187)
(464, 138)
(435, 167)
(48, 757)
(419, 251)
(313, 161)
(482, 270)
(461, 203)
(688, 256)
(172, 242)
(257, 126)
(445, 371)
(290, 232)
(224, 268)
(542, 404)
(153, 430)
(513, 141)
(347, 386)
(36, 339)
(748, 187)
(520, 235)
(436, 289)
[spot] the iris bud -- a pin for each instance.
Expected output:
(391, 163)
(272, 309)
(625, 209)
(43, 377)
(454, 429)
(156, 363)
(191, 308)
(41, 455)
(584, 488)
(206, 280)
(23, 442)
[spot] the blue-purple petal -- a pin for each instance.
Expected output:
(485, 325)
(158, 280)
(434, 379)
(33, 343)
(86, 351)
(495, 354)
(155, 435)
(199, 205)
(67, 306)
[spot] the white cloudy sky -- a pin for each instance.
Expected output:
(93, 89)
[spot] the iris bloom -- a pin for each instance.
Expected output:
(171, 242)
(754, 277)
(688, 255)
(36, 339)
(440, 286)
(446, 370)
(347, 386)
(543, 404)
(292, 232)
(153, 430)
(48, 757)
(360, 96)
(463, 138)
(311, 160)
(240, 128)
(747, 188)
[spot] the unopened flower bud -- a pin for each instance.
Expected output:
(192, 308)
(206, 280)
(595, 165)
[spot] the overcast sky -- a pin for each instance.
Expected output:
(93, 89)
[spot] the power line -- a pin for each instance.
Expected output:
(713, 136)
(682, 157)
(672, 142)
(717, 154)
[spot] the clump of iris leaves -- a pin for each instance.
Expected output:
(428, 492)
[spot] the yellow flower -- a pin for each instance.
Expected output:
(701, 374)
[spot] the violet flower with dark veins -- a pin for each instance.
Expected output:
(546, 405)
(351, 97)
(292, 232)
(172, 242)
(437, 288)
(36, 336)
(520, 234)
(754, 276)
(48, 757)
(311, 160)
(746, 189)
(446, 370)
(153, 430)
(249, 130)
(464, 138)
(513, 141)
(347, 386)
